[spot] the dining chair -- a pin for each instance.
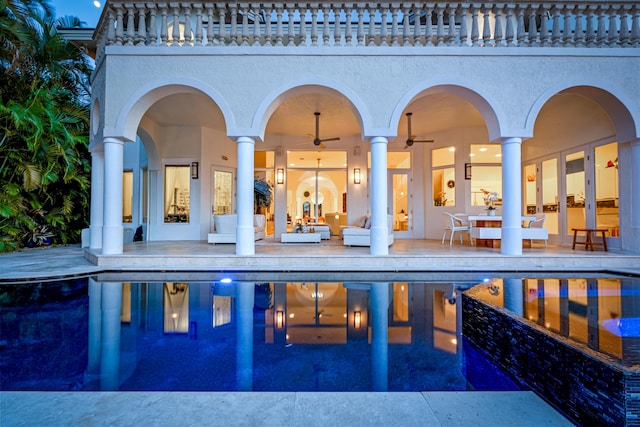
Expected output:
(538, 223)
(453, 224)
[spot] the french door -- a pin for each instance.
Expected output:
(399, 202)
(222, 191)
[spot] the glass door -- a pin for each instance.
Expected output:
(575, 194)
(222, 190)
(400, 202)
(541, 193)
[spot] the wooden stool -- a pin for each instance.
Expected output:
(588, 242)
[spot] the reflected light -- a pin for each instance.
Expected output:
(96, 3)
(357, 319)
(454, 341)
(292, 315)
(279, 319)
(174, 316)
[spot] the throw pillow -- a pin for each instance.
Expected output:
(367, 224)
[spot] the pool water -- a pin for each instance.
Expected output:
(85, 334)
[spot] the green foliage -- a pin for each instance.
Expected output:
(44, 123)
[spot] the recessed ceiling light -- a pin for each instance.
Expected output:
(452, 149)
(96, 3)
(483, 149)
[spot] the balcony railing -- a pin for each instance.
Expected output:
(349, 24)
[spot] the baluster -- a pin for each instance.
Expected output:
(291, 35)
(372, 25)
(279, 29)
(497, 33)
(417, 26)
(142, 25)
(383, 26)
(348, 30)
(451, 38)
(521, 35)
(337, 26)
(360, 30)
(406, 30)
(222, 24)
(602, 26)
(614, 35)
(256, 24)
(533, 36)
(233, 13)
(303, 25)
(486, 26)
(463, 36)
(111, 27)
(578, 35)
(164, 26)
(556, 37)
(394, 26)
(624, 26)
(566, 31)
(175, 33)
(186, 37)
(428, 25)
(635, 28)
(510, 35)
(440, 23)
(130, 31)
(268, 31)
(210, 30)
(475, 29)
(119, 24)
(591, 32)
(153, 26)
(244, 30)
(314, 26)
(545, 35)
(326, 30)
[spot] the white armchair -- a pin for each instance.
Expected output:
(360, 234)
(225, 228)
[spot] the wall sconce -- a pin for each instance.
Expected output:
(279, 319)
(194, 170)
(356, 176)
(357, 319)
(467, 171)
(280, 176)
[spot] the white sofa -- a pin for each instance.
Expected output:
(225, 228)
(360, 233)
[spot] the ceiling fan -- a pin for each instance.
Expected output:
(316, 138)
(412, 138)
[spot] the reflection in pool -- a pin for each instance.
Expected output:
(210, 335)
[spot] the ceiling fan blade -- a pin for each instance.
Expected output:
(330, 139)
(423, 140)
(322, 146)
(311, 136)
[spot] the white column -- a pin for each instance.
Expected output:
(97, 199)
(113, 164)
(245, 244)
(635, 185)
(511, 197)
(379, 231)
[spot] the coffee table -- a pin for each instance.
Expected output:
(300, 237)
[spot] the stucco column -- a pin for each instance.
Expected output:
(635, 185)
(379, 231)
(511, 197)
(113, 166)
(97, 199)
(245, 243)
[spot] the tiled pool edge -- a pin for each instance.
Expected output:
(588, 387)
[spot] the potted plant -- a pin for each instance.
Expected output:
(440, 199)
(263, 193)
(490, 197)
(38, 236)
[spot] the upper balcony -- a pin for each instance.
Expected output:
(410, 25)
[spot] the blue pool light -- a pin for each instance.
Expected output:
(226, 280)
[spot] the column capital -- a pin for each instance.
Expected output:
(113, 140)
(245, 140)
(511, 140)
(379, 140)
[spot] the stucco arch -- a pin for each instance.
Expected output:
(153, 157)
(484, 102)
(304, 86)
(138, 103)
(612, 100)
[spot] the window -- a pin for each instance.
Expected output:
(486, 176)
(443, 176)
(606, 178)
(177, 193)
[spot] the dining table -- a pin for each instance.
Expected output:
(491, 221)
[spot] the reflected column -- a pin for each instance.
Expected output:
(380, 336)
(245, 295)
(95, 330)
(110, 357)
(514, 296)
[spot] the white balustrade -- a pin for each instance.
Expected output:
(184, 24)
